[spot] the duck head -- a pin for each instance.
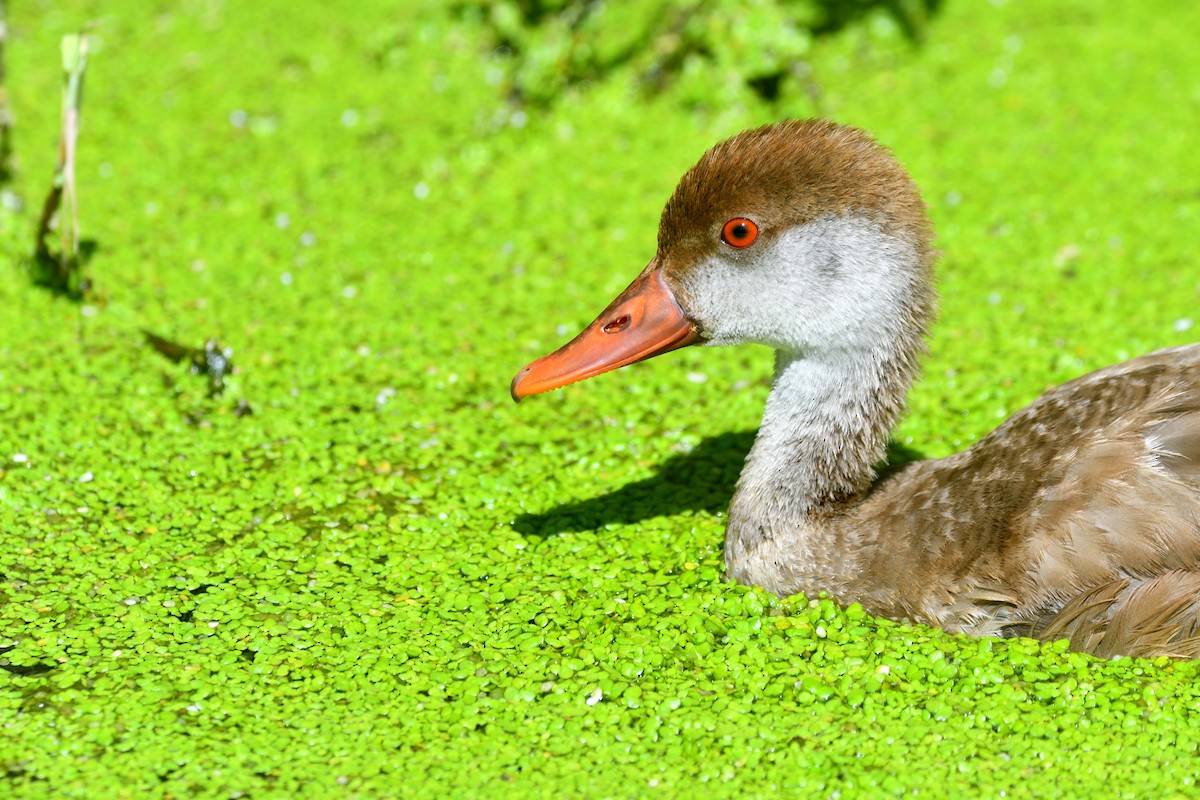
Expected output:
(803, 235)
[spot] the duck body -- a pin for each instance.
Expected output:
(1077, 518)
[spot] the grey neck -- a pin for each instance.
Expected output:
(826, 424)
(825, 427)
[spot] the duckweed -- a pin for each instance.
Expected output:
(387, 580)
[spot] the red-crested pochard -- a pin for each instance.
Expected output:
(1077, 518)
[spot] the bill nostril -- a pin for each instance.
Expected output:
(617, 325)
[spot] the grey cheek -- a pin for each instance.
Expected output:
(828, 266)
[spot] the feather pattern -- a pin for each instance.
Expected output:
(1081, 513)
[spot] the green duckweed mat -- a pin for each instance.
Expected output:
(389, 581)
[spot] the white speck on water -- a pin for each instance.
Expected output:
(385, 394)
(1066, 254)
(953, 199)
(1182, 325)
(308, 239)
(286, 279)
(595, 697)
(282, 220)
(350, 117)
(820, 631)
(213, 624)
(518, 119)
(697, 377)
(194, 707)
(997, 78)
(89, 311)
(349, 292)
(131, 601)
(87, 477)
(562, 330)
(20, 458)
(238, 118)
(994, 299)
(421, 190)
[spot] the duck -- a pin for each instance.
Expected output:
(1078, 518)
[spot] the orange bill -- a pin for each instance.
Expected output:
(644, 321)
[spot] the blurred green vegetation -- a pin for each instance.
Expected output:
(551, 46)
(361, 571)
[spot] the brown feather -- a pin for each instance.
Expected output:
(1089, 487)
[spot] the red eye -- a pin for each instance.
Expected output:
(739, 232)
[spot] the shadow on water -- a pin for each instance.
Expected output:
(702, 479)
(699, 480)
